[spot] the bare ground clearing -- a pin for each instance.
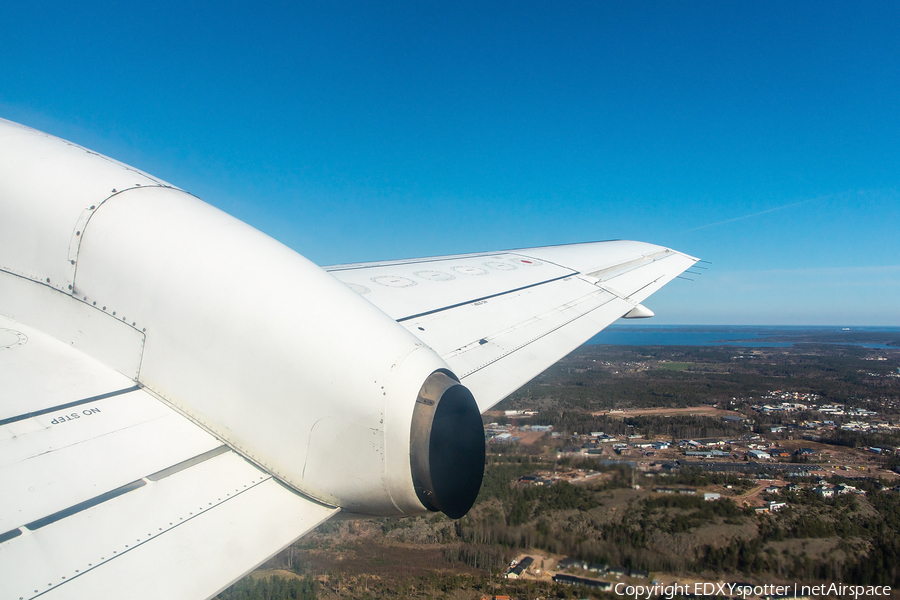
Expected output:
(669, 412)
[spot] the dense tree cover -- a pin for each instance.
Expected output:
(271, 588)
(858, 439)
(542, 517)
(878, 563)
(671, 427)
(695, 512)
(500, 470)
(479, 556)
(560, 518)
(537, 500)
(695, 476)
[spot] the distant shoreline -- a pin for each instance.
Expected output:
(766, 336)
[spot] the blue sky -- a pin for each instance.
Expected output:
(763, 137)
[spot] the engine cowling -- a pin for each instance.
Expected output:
(241, 334)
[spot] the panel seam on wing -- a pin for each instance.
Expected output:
(531, 340)
(497, 295)
(138, 484)
(44, 411)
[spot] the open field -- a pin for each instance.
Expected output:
(674, 366)
(667, 412)
(527, 438)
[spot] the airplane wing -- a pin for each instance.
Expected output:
(106, 492)
(182, 396)
(500, 319)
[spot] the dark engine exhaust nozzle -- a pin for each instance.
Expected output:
(446, 446)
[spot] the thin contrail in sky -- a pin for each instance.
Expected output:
(756, 214)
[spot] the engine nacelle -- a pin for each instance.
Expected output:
(243, 335)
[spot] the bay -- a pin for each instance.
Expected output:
(768, 336)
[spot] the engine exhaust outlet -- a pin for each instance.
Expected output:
(446, 446)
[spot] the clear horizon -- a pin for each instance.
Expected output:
(624, 323)
(761, 137)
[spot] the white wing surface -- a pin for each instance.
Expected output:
(500, 319)
(106, 492)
